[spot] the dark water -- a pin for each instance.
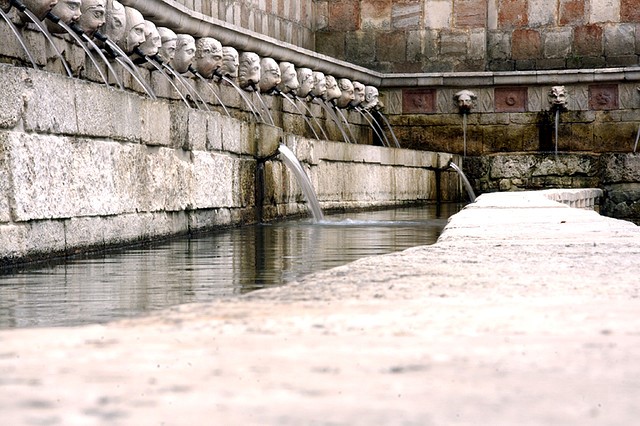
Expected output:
(223, 263)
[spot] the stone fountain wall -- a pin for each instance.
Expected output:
(85, 167)
(480, 35)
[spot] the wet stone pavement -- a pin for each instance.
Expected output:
(525, 312)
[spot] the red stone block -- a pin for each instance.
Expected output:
(629, 11)
(603, 97)
(344, 15)
(587, 40)
(510, 99)
(376, 11)
(572, 12)
(418, 101)
(526, 44)
(470, 13)
(512, 14)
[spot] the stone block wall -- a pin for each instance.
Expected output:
(515, 115)
(617, 175)
(291, 21)
(480, 35)
(84, 167)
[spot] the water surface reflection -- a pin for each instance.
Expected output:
(203, 268)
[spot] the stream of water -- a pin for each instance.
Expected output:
(200, 269)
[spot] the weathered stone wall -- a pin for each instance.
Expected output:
(616, 174)
(84, 167)
(477, 35)
(291, 21)
(602, 115)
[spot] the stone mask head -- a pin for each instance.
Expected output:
(208, 58)
(249, 71)
(39, 8)
(288, 78)
(558, 97)
(371, 98)
(465, 100)
(116, 21)
(152, 40)
(305, 81)
(358, 93)
(319, 85)
(230, 62)
(93, 16)
(68, 11)
(333, 91)
(269, 75)
(134, 31)
(347, 92)
(185, 51)
(167, 49)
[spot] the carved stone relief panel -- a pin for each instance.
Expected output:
(603, 97)
(510, 99)
(418, 101)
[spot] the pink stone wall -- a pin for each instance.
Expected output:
(291, 21)
(479, 35)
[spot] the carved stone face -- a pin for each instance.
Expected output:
(371, 97)
(134, 30)
(40, 8)
(305, 80)
(68, 11)
(168, 40)
(208, 58)
(5, 5)
(152, 39)
(319, 85)
(465, 100)
(93, 16)
(333, 91)
(289, 78)
(347, 92)
(230, 62)
(185, 51)
(116, 21)
(249, 71)
(269, 75)
(358, 93)
(558, 96)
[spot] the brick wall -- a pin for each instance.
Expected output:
(480, 35)
(291, 21)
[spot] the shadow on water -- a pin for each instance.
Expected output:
(208, 267)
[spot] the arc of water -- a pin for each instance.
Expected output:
(15, 32)
(331, 113)
(264, 107)
(465, 181)
(77, 38)
(464, 134)
(376, 128)
(104, 58)
(158, 67)
(393, 134)
(126, 63)
(307, 109)
(293, 163)
(557, 122)
(346, 123)
(637, 138)
(304, 116)
(22, 8)
(244, 97)
(213, 92)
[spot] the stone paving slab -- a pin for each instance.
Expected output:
(524, 315)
